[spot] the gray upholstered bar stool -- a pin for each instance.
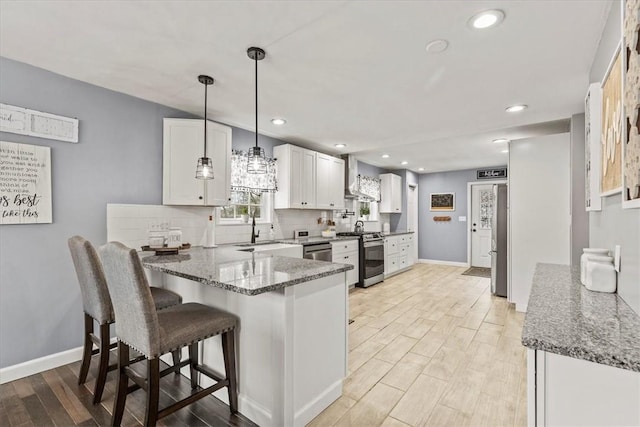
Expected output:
(97, 306)
(154, 333)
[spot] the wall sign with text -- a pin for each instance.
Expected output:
(498, 173)
(25, 184)
(36, 123)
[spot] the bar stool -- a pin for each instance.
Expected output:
(154, 333)
(97, 306)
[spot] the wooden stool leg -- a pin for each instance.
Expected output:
(176, 354)
(153, 391)
(88, 347)
(193, 362)
(123, 384)
(103, 368)
(229, 350)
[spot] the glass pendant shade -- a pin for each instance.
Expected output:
(204, 170)
(257, 162)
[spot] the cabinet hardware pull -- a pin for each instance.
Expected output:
(200, 197)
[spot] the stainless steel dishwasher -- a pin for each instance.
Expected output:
(317, 251)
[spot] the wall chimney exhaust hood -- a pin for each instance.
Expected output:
(352, 181)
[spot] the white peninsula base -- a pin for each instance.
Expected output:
(291, 346)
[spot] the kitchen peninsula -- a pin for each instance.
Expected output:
(292, 336)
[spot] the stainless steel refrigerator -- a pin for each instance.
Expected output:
(499, 241)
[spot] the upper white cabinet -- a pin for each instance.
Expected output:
(308, 180)
(183, 142)
(330, 182)
(390, 193)
(296, 177)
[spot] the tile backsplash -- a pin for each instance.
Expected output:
(129, 224)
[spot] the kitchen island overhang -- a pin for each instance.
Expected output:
(293, 323)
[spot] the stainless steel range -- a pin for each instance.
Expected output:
(371, 257)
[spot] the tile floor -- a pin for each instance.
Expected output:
(431, 347)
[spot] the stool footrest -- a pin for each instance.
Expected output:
(188, 400)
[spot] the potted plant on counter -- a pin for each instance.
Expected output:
(364, 212)
(243, 211)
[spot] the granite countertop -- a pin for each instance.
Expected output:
(316, 239)
(565, 318)
(396, 233)
(242, 272)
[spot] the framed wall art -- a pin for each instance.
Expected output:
(442, 202)
(611, 130)
(25, 184)
(631, 91)
(592, 113)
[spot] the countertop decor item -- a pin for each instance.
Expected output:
(601, 274)
(204, 169)
(165, 250)
(586, 253)
(257, 159)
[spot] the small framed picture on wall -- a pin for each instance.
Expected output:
(443, 202)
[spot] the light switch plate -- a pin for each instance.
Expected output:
(616, 258)
(462, 219)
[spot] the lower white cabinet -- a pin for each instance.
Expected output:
(398, 254)
(563, 391)
(347, 252)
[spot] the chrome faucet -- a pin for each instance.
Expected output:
(253, 228)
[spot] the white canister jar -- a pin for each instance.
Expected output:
(601, 274)
(156, 239)
(586, 253)
(174, 237)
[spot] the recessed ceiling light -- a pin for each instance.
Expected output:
(516, 108)
(437, 46)
(278, 122)
(341, 145)
(420, 169)
(504, 151)
(486, 19)
(500, 140)
(404, 162)
(385, 156)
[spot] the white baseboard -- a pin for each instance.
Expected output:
(41, 364)
(522, 308)
(451, 263)
(313, 408)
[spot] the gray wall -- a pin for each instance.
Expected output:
(366, 169)
(118, 160)
(579, 216)
(614, 225)
(443, 241)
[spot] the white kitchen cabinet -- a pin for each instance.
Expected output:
(398, 254)
(183, 144)
(347, 252)
(308, 180)
(296, 177)
(330, 182)
(390, 193)
(562, 390)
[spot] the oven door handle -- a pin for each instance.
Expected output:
(372, 244)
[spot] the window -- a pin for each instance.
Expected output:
(243, 206)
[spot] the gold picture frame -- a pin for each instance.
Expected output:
(612, 128)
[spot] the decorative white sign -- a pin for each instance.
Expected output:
(36, 123)
(25, 184)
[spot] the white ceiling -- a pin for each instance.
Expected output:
(339, 72)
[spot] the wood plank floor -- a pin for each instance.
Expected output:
(431, 347)
(54, 398)
(428, 347)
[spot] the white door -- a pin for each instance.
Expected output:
(481, 217)
(412, 217)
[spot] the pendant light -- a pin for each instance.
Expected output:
(204, 169)
(257, 160)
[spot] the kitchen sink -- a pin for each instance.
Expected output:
(247, 250)
(254, 244)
